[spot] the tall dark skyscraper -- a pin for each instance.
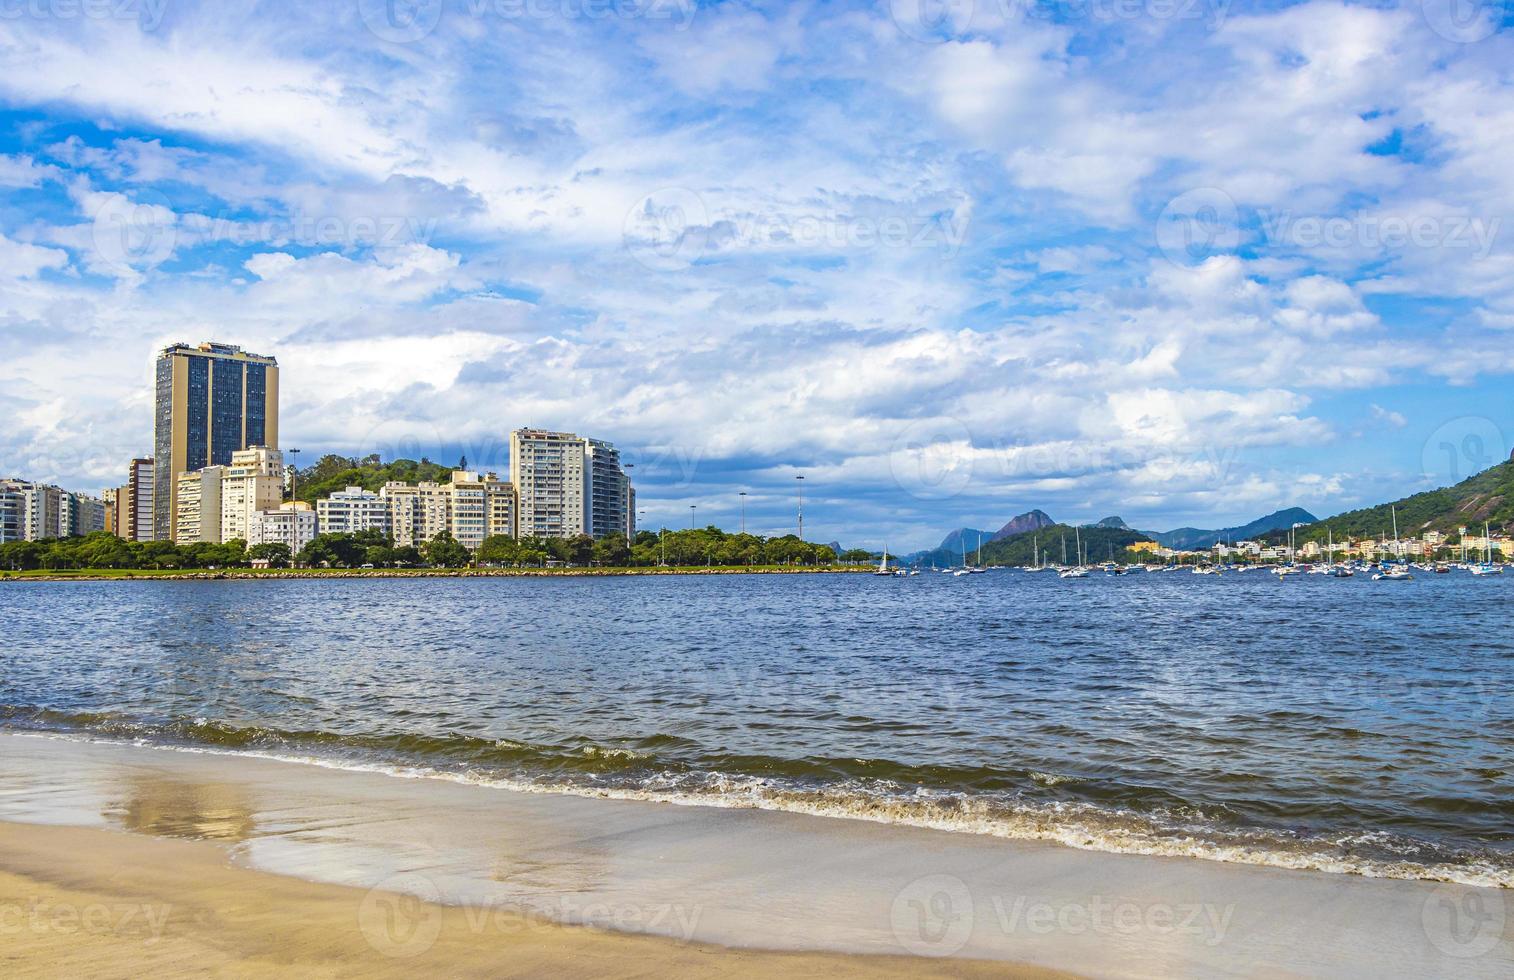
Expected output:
(212, 400)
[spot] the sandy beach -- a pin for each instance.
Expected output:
(246, 866)
(93, 903)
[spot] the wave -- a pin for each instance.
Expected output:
(848, 789)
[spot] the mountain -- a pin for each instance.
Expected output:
(949, 551)
(1100, 543)
(1194, 539)
(1488, 496)
(1114, 522)
(1032, 520)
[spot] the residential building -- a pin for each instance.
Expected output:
(480, 506)
(197, 506)
(80, 514)
(112, 509)
(31, 511)
(354, 509)
(418, 512)
(254, 481)
(566, 485)
(136, 512)
(211, 401)
(501, 500)
(608, 495)
(292, 524)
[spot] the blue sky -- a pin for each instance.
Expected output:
(1186, 263)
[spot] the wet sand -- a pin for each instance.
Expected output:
(255, 849)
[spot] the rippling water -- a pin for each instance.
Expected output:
(1344, 725)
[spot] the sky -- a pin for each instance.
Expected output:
(1182, 261)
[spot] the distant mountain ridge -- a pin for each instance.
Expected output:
(1194, 539)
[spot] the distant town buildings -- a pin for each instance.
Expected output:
(567, 485)
(31, 511)
(210, 401)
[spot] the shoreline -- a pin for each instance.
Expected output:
(94, 902)
(246, 574)
(747, 879)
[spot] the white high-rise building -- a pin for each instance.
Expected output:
(253, 482)
(292, 524)
(547, 469)
(352, 510)
(608, 497)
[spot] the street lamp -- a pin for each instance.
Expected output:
(800, 485)
(743, 512)
(691, 516)
(294, 472)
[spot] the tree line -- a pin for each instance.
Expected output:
(696, 546)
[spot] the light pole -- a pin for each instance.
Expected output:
(743, 512)
(691, 516)
(800, 485)
(294, 472)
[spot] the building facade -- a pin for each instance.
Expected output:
(353, 509)
(555, 475)
(31, 511)
(254, 481)
(211, 401)
(292, 524)
(608, 498)
(136, 512)
(197, 506)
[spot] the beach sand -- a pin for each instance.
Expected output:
(94, 903)
(268, 865)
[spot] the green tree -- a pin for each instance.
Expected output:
(276, 553)
(499, 549)
(444, 551)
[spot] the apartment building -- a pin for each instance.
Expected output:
(253, 482)
(566, 485)
(197, 506)
(470, 507)
(353, 509)
(291, 524)
(31, 511)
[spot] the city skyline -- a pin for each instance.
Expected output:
(948, 270)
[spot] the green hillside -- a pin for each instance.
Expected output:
(1488, 496)
(333, 473)
(1099, 544)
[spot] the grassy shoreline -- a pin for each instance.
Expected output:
(242, 574)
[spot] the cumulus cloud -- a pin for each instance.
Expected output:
(772, 239)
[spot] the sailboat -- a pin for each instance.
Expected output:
(883, 568)
(1487, 567)
(1079, 571)
(977, 568)
(1394, 572)
(964, 570)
